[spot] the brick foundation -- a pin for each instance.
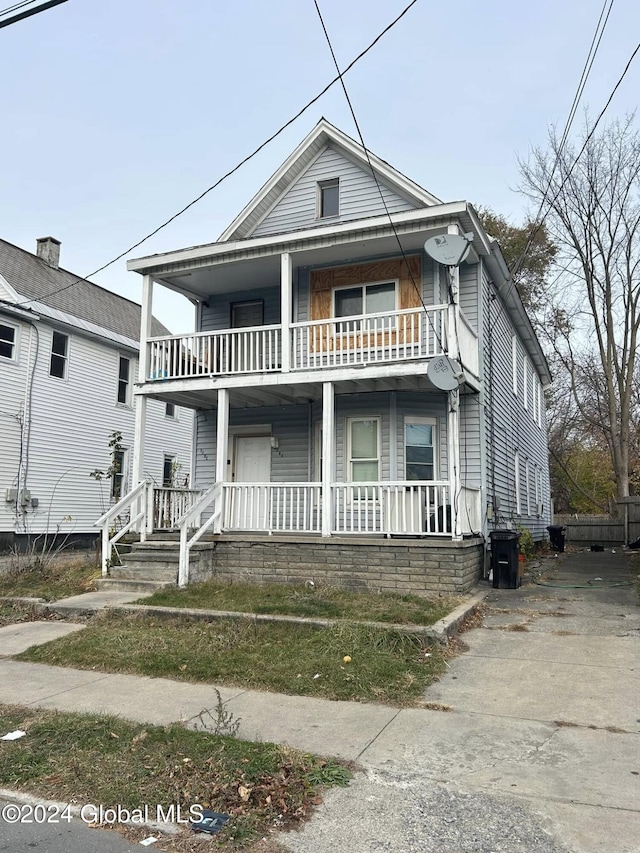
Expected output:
(391, 565)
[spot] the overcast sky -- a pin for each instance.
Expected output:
(115, 114)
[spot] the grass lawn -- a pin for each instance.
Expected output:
(322, 601)
(51, 580)
(10, 613)
(260, 785)
(386, 665)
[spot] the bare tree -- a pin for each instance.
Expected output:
(590, 309)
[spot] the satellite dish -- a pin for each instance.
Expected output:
(444, 373)
(449, 249)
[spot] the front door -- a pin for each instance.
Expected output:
(250, 509)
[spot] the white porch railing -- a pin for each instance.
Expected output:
(468, 345)
(372, 338)
(273, 507)
(410, 508)
(170, 505)
(193, 519)
(131, 511)
(247, 350)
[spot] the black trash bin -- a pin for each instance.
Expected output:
(504, 559)
(556, 537)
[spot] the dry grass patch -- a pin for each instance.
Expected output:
(51, 579)
(383, 665)
(260, 785)
(319, 601)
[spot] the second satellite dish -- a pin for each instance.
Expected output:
(444, 373)
(448, 249)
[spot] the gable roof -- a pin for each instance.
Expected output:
(35, 281)
(322, 135)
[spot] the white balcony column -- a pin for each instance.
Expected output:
(286, 291)
(140, 402)
(328, 454)
(222, 446)
(453, 434)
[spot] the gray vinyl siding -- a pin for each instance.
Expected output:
(510, 427)
(470, 443)
(216, 316)
(359, 197)
(469, 293)
(71, 420)
(294, 427)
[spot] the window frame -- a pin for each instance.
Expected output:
(516, 471)
(127, 383)
(396, 297)
(329, 183)
(14, 345)
(171, 458)
(514, 361)
(348, 474)
(174, 414)
(527, 475)
(119, 478)
(64, 357)
(525, 390)
(426, 421)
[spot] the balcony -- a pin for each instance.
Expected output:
(384, 338)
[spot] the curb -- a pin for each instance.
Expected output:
(441, 631)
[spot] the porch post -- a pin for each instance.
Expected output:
(140, 402)
(222, 445)
(328, 454)
(453, 430)
(286, 288)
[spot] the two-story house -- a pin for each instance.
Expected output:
(68, 361)
(326, 448)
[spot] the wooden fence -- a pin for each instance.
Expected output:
(602, 529)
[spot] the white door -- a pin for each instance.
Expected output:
(250, 509)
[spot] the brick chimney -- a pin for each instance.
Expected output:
(48, 248)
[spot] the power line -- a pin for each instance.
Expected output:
(235, 168)
(16, 6)
(29, 12)
(591, 55)
(443, 347)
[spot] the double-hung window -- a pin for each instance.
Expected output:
(328, 203)
(419, 444)
(363, 300)
(123, 380)
(59, 355)
(363, 452)
(118, 474)
(168, 471)
(7, 341)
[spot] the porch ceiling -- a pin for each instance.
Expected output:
(279, 395)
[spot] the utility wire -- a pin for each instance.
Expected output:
(29, 12)
(443, 346)
(591, 55)
(16, 6)
(235, 168)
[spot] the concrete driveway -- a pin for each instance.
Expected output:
(540, 750)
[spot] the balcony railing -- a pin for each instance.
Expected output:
(340, 342)
(233, 351)
(371, 338)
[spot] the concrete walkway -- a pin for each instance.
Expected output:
(537, 748)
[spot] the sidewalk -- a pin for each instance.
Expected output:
(540, 749)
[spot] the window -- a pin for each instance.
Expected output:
(168, 471)
(59, 355)
(363, 450)
(419, 443)
(527, 474)
(118, 475)
(516, 470)
(123, 380)
(514, 358)
(7, 341)
(366, 299)
(525, 372)
(328, 198)
(170, 410)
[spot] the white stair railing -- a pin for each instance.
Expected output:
(135, 504)
(191, 519)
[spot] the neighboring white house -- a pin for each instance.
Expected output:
(329, 448)
(68, 362)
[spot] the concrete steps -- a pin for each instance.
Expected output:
(132, 586)
(155, 561)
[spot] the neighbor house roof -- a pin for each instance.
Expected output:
(35, 281)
